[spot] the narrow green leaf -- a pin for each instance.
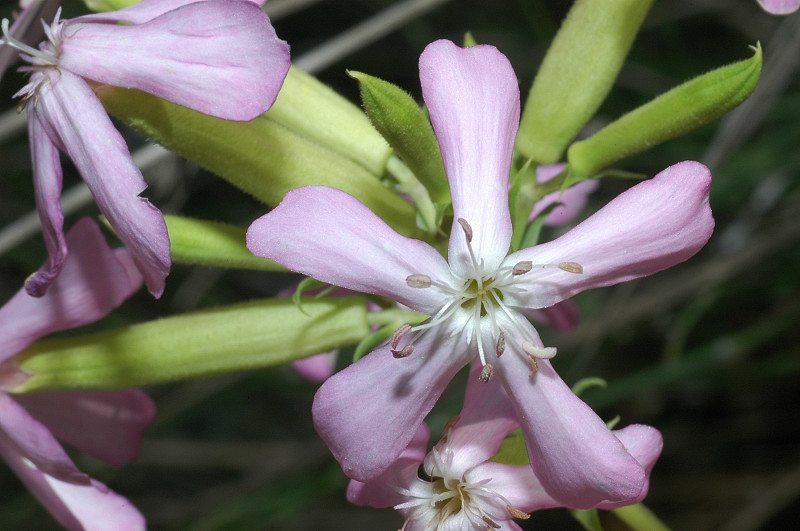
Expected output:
(238, 337)
(672, 114)
(211, 243)
(577, 73)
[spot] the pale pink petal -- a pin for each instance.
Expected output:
(92, 283)
(33, 441)
(331, 236)
(219, 57)
(316, 368)
(517, 483)
(779, 7)
(105, 424)
(104, 162)
(644, 443)
(77, 506)
(561, 317)
(383, 491)
(368, 412)
(654, 225)
(573, 453)
(570, 202)
(47, 179)
(473, 99)
(144, 11)
(485, 420)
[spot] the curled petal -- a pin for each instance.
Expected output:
(383, 491)
(368, 413)
(329, 235)
(654, 225)
(105, 424)
(219, 57)
(473, 99)
(580, 463)
(93, 282)
(779, 7)
(103, 160)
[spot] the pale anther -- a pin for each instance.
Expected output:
(571, 267)
(538, 352)
(516, 513)
(398, 334)
(491, 523)
(467, 229)
(407, 350)
(418, 281)
(522, 267)
(501, 344)
(486, 373)
(534, 365)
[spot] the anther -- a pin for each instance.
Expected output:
(534, 365)
(571, 267)
(418, 281)
(407, 350)
(398, 334)
(467, 229)
(501, 344)
(491, 523)
(486, 373)
(522, 267)
(538, 352)
(516, 513)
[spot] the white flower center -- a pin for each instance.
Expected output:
(475, 307)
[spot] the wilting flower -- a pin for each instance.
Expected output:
(220, 57)
(463, 489)
(368, 413)
(779, 7)
(108, 425)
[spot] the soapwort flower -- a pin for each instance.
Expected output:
(108, 425)
(218, 57)
(463, 489)
(368, 413)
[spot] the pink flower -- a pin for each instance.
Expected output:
(569, 203)
(368, 413)
(779, 7)
(464, 490)
(108, 425)
(220, 57)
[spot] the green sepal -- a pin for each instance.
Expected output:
(589, 519)
(238, 337)
(310, 108)
(577, 73)
(512, 450)
(260, 157)
(396, 115)
(372, 341)
(672, 114)
(211, 243)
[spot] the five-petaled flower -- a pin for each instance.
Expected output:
(464, 489)
(368, 413)
(219, 57)
(106, 424)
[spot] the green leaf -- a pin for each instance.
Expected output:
(672, 114)
(396, 115)
(577, 73)
(238, 337)
(211, 243)
(261, 157)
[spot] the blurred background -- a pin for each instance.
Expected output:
(707, 352)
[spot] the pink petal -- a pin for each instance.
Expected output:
(561, 317)
(779, 7)
(219, 57)
(144, 11)
(93, 282)
(644, 443)
(572, 200)
(331, 236)
(382, 491)
(316, 368)
(47, 179)
(80, 506)
(485, 420)
(576, 457)
(104, 162)
(105, 424)
(473, 100)
(368, 412)
(654, 225)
